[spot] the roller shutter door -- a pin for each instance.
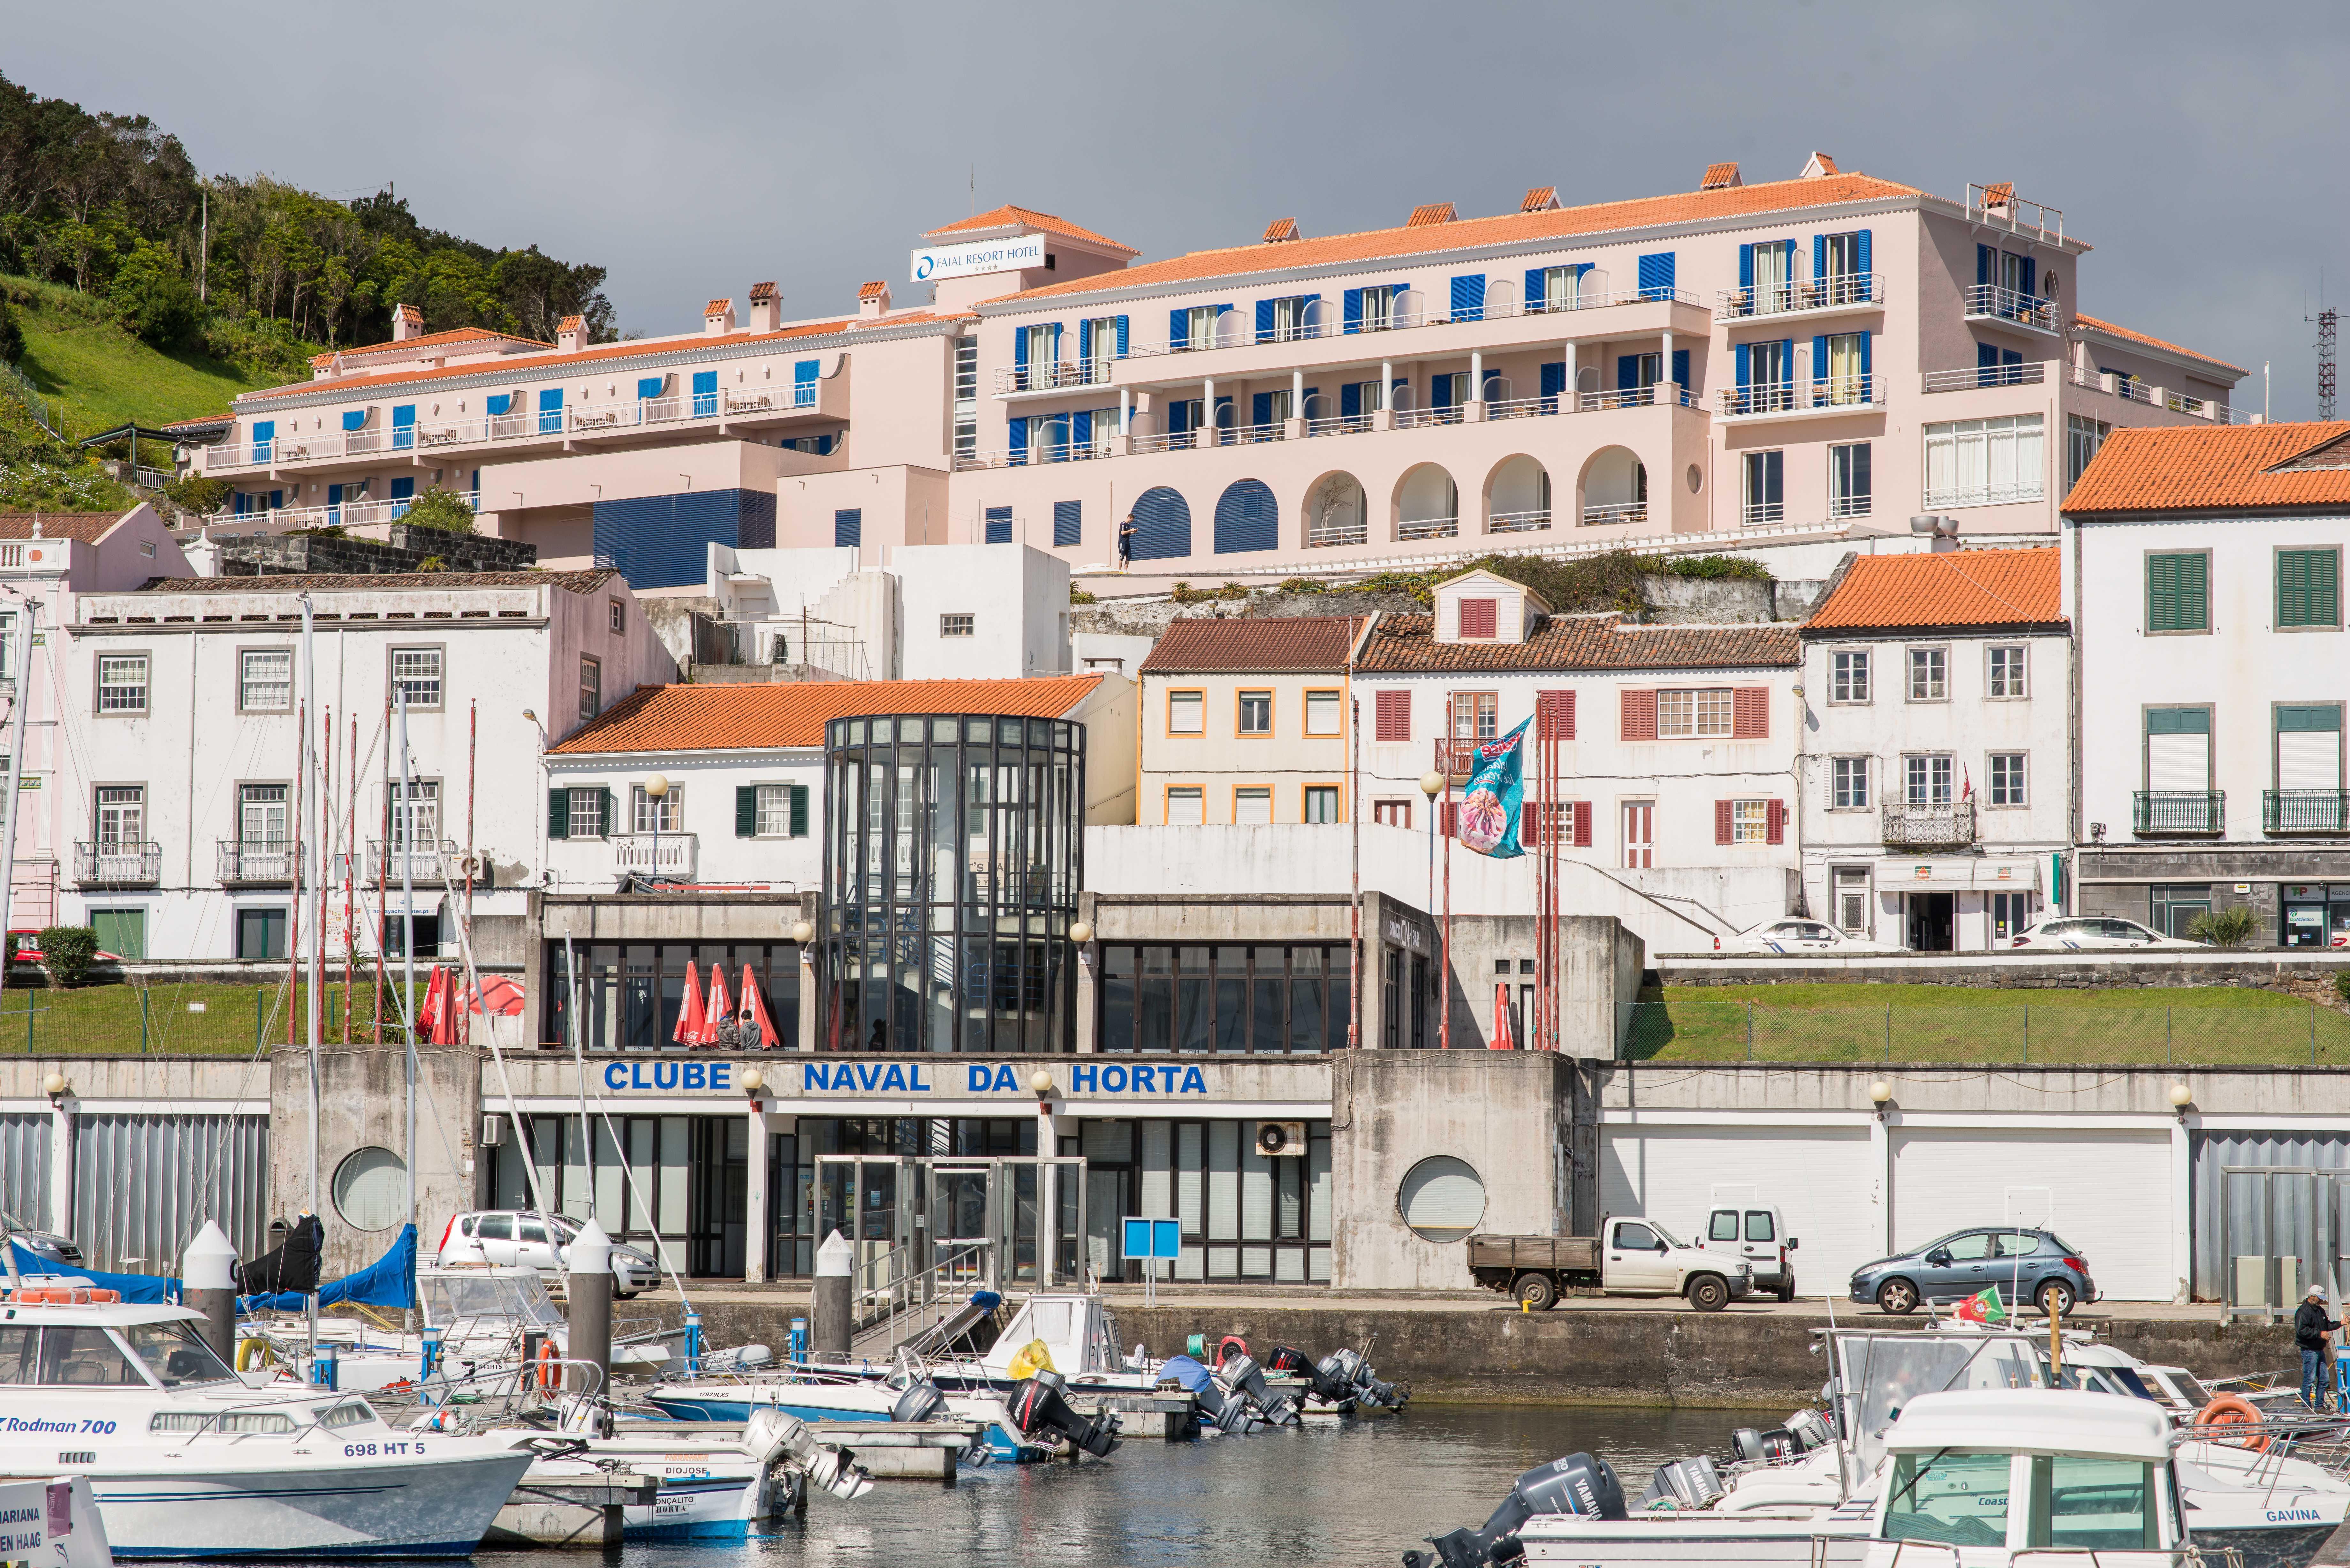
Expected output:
(2106, 1193)
(1819, 1178)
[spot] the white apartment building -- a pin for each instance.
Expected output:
(178, 764)
(2203, 577)
(1935, 700)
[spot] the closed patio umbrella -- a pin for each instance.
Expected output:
(692, 1024)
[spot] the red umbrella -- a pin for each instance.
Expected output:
(722, 1006)
(435, 1024)
(692, 1026)
(755, 1011)
(1502, 1039)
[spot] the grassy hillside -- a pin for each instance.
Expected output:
(77, 355)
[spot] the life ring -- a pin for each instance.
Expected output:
(549, 1374)
(1227, 1345)
(253, 1353)
(2227, 1410)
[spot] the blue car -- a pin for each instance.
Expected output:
(2036, 1266)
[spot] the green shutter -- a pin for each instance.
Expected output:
(2308, 587)
(558, 814)
(2178, 721)
(799, 811)
(2327, 718)
(604, 813)
(746, 811)
(2177, 596)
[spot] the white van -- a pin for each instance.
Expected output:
(1758, 1234)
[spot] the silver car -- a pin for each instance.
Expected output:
(43, 1244)
(541, 1241)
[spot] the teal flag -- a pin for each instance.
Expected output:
(1489, 807)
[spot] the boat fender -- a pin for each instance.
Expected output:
(1030, 1359)
(254, 1353)
(2227, 1410)
(1231, 1345)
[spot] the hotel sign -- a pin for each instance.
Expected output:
(978, 257)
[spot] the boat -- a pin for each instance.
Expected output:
(814, 1394)
(53, 1523)
(184, 1459)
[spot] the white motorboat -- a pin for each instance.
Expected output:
(52, 1523)
(185, 1460)
(813, 1395)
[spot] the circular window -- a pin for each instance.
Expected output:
(370, 1189)
(1695, 479)
(1442, 1198)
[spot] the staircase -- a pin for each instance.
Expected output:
(897, 1304)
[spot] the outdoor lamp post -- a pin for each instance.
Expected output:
(656, 790)
(1431, 784)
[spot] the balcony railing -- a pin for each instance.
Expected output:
(1999, 205)
(1992, 302)
(1421, 418)
(1616, 512)
(342, 514)
(1430, 528)
(118, 865)
(1988, 495)
(1405, 319)
(422, 861)
(2296, 811)
(1831, 293)
(653, 854)
(2154, 811)
(1323, 536)
(2028, 374)
(1518, 522)
(1855, 392)
(1339, 424)
(1947, 827)
(2131, 389)
(1044, 377)
(266, 861)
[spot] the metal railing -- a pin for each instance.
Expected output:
(266, 860)
(1250, 435)
(654, 854)
(2304, 811)
(1421, 418)
(1044, 378)
(2028, 373)
(892, 1290)
(1404, 320)
(1756, 512)
(2178, 811)
(341, 515)
(1616, 512)
(1164, 441)
(1521, 408)
(117, 864)
(1518, 522)
(1834, 292)
(1987, 495)
(2000, 303)
(1951, 825)
(1998, 204)
(422, 861)
(1649, 396)
(1792, 397)
(1429, 528)
(1328, 535)
(1848, 506)
(1339, 424)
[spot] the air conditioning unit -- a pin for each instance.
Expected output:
(494, 1132)
(1274, 1138)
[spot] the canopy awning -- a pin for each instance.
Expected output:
(1943, 873)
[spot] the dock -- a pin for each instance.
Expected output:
(580, 1514)
(889, 1451)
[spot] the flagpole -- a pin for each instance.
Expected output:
(1445, 968)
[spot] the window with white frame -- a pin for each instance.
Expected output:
(1930, 674)
(414, 814)
(121, 815)
(1323, 710)
(1849, 675)
(772, 805)
(586, 811)
(619, 616)
(1926, 779)
(2007, 778)
(955, 625)
(1187, 713)
(262, 817)
(1199, 326)
(660, 814)
(416, 676)
(2083, 437)
(1379, 308)
(122, 683)
(2006, 678)
(591, 689)
(1682, 715)
(265, 679)
(1984, 462)
(1849, 479)
(1766, 488)
(1849, 780)
(1750, 822)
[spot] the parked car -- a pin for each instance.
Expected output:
(1640, 1258)
(2091, 932)
(1797, 934)
(43, 1244)
(541, 1241)
(1756, 1237)
(2034, 1266)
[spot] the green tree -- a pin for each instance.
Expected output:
(152, 297)
(12, 335)
(442, 509)
(201, 494)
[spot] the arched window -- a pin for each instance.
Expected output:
(1247, 518)
(1162, 525)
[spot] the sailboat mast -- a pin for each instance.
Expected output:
(305, 851)
(407, 822)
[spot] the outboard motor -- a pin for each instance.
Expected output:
(1577, 1484)
(1224, 1415)
(1684, 1485)
(1322, 1379)
(1039, 1411)
(1350, 1365)
(920, 1402)
(777, 1437)
(1241, 1371)
(1775, 1446)
(1810, 1429)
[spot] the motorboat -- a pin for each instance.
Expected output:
(184, 1459)
(811, 1394)
(52, 1522)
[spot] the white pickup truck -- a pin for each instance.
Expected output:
(1638, 1258)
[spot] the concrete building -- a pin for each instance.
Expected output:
(1937, 701)
(2202, 575)
(1249, 721)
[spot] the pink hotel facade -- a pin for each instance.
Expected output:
(1742, 362)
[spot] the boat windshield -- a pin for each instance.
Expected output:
(454, 1299)
(1881, 1375)
(173, 1353)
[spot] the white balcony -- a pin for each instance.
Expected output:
(1518, 522)
(422, 862)
(286, 519)
(1988, 301)
(2028, 373)
(1329, 536)
(2132, 389)
(1616, 512)
(1812, 297)
(653, 854)
(1999, 206)
(1430, 528)
(1825, 398)
(1013, 383)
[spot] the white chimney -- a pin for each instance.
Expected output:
(718, 318)
(766, 307)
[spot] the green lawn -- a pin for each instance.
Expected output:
(2198, 1025)
(104, 376)
(106, 1020)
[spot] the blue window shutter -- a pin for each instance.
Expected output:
(803, 372)
(403, 490)
(1986, 357)
(1745, 267)
(1627, 371)
(1396, 392)
(1680, 367)
(1056, 342)
(1247, 518)
(1657, 273)
(356, 419)
(1787, 358)
(1020, 345)
(1081, 428)
(1261, 408)
(1086, 338)
(334, 495)
(1179, 324)
(1068, 523)
(1263, 320)
(1018, 432)
(1121, 336)
(847, 527)
(2030, 277)
(1865, 339)
(276, 500)
(1350, 400)
(1553, 378)
(1536, 280)
(1745, 366)
(1819, 255)
(1982, 264)
(1819, 358)
(498, 403)
(1221, 309)
(1351, 311)
(999, 525)
(1468, 297)
(1862, 248)
(650, 386)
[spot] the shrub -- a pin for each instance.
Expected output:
(1079, 596)
(1714, 567)
(197, 493)
(2230, 928)
(1304, 585)
(152, 299)
(68, 953)
(1233, 591)
(12, 336)
(442, 509)
(2342, 984)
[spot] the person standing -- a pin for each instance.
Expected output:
(1126, 541)
(2310, 1326)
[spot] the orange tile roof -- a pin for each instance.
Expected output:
(1272, 645)
(1406, 644)
(86, 526)
(428, 341)
(1430, 212)
(1539, 199)
(1562, 223)
(1828, 164)
(2111, 330)
(1719, 177)
(874, 290)
(1950, 589)
(716, 307)
(792, 713)
(2222, 467)
(1280, 232)
(1011, 217)
(760, 291)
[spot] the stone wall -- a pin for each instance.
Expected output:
(408, 549)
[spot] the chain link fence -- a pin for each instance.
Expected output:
(2282, 1033)
(180, 1019)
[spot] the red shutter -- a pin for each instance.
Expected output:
(1640, 715)
(1583, 825)
(1477, 618)
(1724, 831)
(1749, 713)
(1394, 715)
(1529, 817)
(1555, 715)
(1776, 823)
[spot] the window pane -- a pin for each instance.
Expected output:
(1960, 1499)
(416, 676)
(267, 682)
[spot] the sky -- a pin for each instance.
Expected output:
(693, 150)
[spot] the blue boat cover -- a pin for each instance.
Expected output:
(389, 1281)
(1186, 1371)
(147, 1290)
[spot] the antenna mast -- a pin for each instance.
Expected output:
(2326, 319)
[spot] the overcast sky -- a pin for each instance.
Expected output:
(693, 150)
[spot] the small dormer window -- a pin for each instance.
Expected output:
(1478, 617)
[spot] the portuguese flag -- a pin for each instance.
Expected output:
(1982, 1307)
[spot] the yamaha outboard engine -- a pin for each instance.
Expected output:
(1810, 1429)
(1579, 1484)
(1776, 1446)
(1350, 1365)
(777, 1436)
(920, 1402)
(1684, 1484)
(1241, 1372)
(1040, 1412)
(1224, 1415)
(1322, 1379)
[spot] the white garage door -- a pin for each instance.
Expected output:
(1819, 1178)
(2107, 1193)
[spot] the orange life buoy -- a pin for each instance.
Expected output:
(1227, 1345)
(2227, 1410)
(549, 1374)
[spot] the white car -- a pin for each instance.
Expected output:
(1795, 934)
(2081, 932)
(541, 1241)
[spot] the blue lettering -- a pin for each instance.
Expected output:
(914, 1078)
(1006, 1081)
(697, 1075)
(1114, 1080)
(895, 1078)
(1084, 1079)
(868, 1074)
(1146, 1079)
(665, 1074)
(1193, 1082)
(719, 1073)
(980, 1080)
(637, 1076)
(616, 1075)
(814, 1075)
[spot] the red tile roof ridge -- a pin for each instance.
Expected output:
(1010, 215)
(1406, 644)
(2198, 468)
(2130, 335)
(1252, 644)
(431, 339)
(585, 580)
(84, 526)
(2017, 586)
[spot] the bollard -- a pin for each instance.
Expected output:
(798, 1345)
(326, 1367)
(828, 1306)
(208, 1281)
(588, 1300)
(692, 1342)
